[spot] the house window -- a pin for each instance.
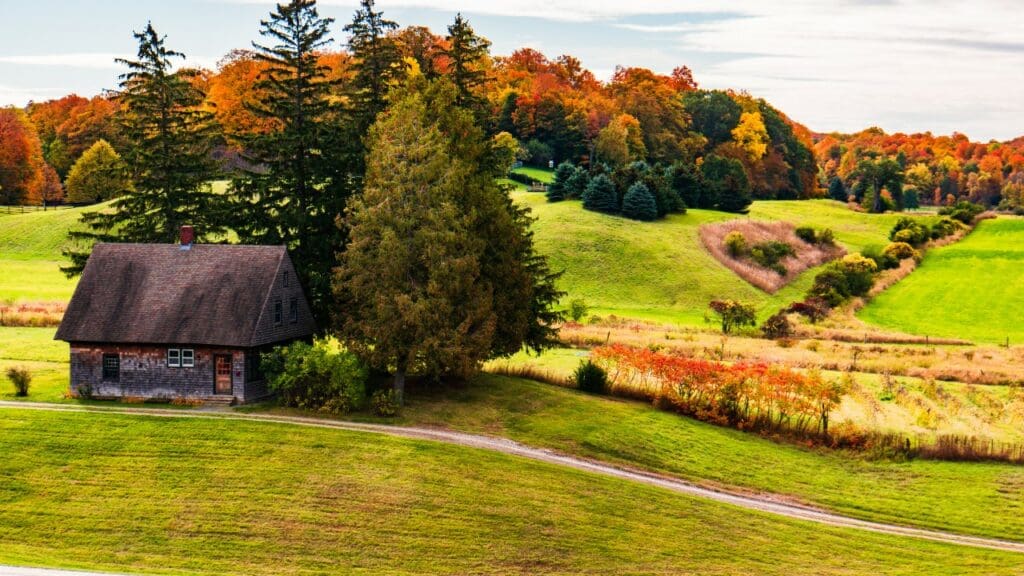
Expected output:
(293, 310)
(284, 278)
(173, 357)
(278, 313)
(111, 367)
(188, 357)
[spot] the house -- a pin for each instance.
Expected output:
(181, 321)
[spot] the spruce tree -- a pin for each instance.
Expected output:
(300, 181)
(576, 185)
(639, 203)
(600, 195)
(377, 63)
(169, 138)
(467, 54)
(836, 189)
(558, 189)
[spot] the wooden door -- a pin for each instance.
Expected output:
(222, 374)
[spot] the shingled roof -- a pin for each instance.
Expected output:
(209, 294)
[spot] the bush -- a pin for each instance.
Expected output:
(589, 377)
(962, 211)
(769, 255)
(639, 203)
(882, 260)
(852, 276)
(777, 326)
(807, 234)
(384, 403)
(910, 231)
(600, 195)
(21, 378)
(322, 376)
(732, 314)
(578, 309)
(736, 243)
(826, 237)
(901, 251)
(814, 309)
(945, 227)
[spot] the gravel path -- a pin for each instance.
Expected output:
(767, 503)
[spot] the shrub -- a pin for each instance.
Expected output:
(639, 203)
(600, 195)
(843, 279)
(322, 376)
(21, 378)
(578, 309)
(814, 309)
(881, 259)
(558, 190)
(910, 231)
(384, 403)
(807, 234)
(769, 254)
(732, 314)
(736, 243)
(901, 251)
(962, 211)
(945, 227)
(827, 237)
(777, 326)
(590, 377)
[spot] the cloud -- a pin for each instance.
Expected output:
(88, 60)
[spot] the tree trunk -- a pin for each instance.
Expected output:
(400, 386)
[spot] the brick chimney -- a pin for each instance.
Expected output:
(188, 235)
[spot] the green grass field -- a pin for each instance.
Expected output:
(130, 493)
(973, 289)
(660, 270)
(981, 499)
(539, 174)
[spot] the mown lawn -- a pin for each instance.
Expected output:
(973, 289)
(138, 494)
(975, 498)
(46, 359)
(660, 270)
(540, 174)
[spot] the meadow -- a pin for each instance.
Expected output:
(30, 255)
(972, 289)
(208, 496)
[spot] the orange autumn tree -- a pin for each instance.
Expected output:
(22, 178)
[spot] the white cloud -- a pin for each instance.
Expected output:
(87, 60)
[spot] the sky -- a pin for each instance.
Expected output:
(834, 65)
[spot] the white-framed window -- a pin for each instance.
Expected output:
(188, 357)
(173, 357)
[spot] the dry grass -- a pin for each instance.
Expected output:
(32, 314)
(756, 232)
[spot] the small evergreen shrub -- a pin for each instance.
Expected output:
(807, 234)
(21, 378)
(322, 376)
(384, 403)
(590, 377)
(600, 195)
(769, 255)
(578, 309)
(639, 203)
(735, 244)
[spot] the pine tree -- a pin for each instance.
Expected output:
(438, 252)
(836, 189)
(576, 185)
(727, 181)
(600, 195)
(558, 189)
(639, 203)
(377, 63)
(300, 180)
(467, 54)
(99, 174)
(169, 139)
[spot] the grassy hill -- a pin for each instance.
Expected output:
(972, 289)
(660, 270)
(203, 497)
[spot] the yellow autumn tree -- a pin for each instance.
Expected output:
(751, 134)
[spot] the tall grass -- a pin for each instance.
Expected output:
(32, 314)
(806, 255)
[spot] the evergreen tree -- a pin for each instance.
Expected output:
(600, 195)
(299, 182)
(99, 174)
(169, 139)
(467, 54)
(377, 63)
(911, 200)
(558, 189)
(836, 189)
(685, 181)
(440, 272)
(639, 203)
(576, 185)
(727, 181)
